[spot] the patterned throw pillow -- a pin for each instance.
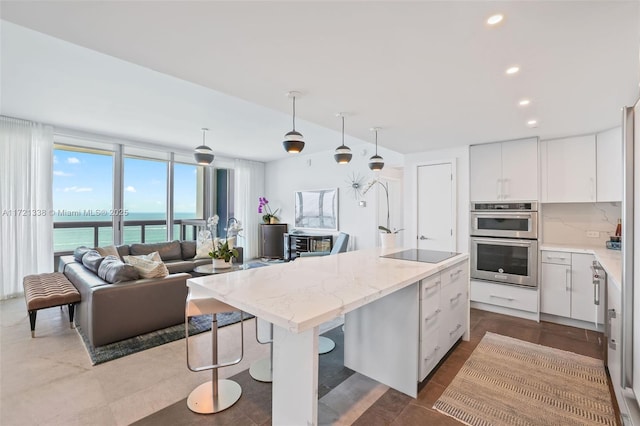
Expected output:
(148, 265)
(204, 244)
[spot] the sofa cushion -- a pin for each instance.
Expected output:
(146, 267)
(113, 270)
(177, 266)
(79, 252)
(92, 260)
(108, 251)
(188, 249)
(123, 250)
(168, 250)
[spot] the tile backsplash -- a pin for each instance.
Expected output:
(568, 223)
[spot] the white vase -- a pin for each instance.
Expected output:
(221, 264)
(387, 240)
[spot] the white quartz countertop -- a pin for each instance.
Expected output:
(305, 293)
(611, 260)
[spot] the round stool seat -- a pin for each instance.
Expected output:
(260, 370)
(325, 345)
(206, 305)
(202, 401)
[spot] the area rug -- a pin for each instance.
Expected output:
(130, 346)
(507, 381)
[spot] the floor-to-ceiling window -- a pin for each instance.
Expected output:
(82, 197)
(188, 200)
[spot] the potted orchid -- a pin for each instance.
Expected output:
(222, 254)
(268, 216)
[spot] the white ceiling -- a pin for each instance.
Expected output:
(431, 74)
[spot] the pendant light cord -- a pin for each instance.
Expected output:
(204, 142)
(343, 130)
(294, 113)
(376, 142)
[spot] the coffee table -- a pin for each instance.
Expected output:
(208, 269)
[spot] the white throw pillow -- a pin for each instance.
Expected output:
(148, 265)
(204, 244)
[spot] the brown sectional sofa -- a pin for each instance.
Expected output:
(109, 312)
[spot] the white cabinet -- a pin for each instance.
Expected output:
(609, 165)
(504, 171)
(444, 309)
(508, 296)
(555, 297)
(569, 169)
(567, 288)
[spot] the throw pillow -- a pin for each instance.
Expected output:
(79, 252)
(204, 244)
(169, 250)
(113, 270)
(147, 267)
(108, 251)
(92, 260)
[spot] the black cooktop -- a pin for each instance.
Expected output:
(426, 256)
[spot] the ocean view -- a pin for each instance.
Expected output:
(70, 238)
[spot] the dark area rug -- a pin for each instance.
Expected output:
(254, 406)
(130, 346)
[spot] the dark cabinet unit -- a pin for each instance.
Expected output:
(272, 240)
(294, 244)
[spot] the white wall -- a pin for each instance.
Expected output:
(460, 155)
(318, 171)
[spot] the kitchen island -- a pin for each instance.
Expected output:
(400, 304)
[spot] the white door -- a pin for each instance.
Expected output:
(486, 172)
(436, 207)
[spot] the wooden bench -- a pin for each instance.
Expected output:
(46, 291)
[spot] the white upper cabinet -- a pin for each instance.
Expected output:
(570, 174)
(609, 165)
(504, 171)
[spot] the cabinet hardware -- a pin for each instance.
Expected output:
(435, 284)
(556, 257)
(451, 333)
(456, 297)
(596, 293)
(567, 286)
(502, 297)
(432, 316)
(611, 313)
(453, 274)
(433, 352)
(612, 344)
(422, 237)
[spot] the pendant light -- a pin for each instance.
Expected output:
(376, 163)
(293, 141)
(203, 154)
(343, 153)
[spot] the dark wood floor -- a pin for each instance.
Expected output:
(395, 408)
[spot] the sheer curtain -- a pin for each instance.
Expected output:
(249, 185)
(26, 202)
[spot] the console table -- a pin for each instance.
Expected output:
(294, 244)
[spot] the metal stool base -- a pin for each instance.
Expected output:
(201, 398)
(260, 370)
(325, 345)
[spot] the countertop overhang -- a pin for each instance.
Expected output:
(303, 294)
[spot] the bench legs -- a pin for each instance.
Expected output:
(34, 313)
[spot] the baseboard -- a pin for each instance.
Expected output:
(572, 322)
(506, 311)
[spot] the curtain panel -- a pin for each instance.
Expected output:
(26, 202)
(249, 186)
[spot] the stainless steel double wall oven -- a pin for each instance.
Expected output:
(504, 243)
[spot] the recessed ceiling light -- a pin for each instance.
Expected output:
(495, 19)
(524, 102)
(512, 70)
(532, 123)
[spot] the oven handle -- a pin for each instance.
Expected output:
(505, 242)
(503, 214)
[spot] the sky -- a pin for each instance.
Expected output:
(84, 181)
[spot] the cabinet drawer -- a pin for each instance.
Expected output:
(557, 257)
(452, 330)
(430, 287)
(455, 274)
(524, 299)
(430, 353)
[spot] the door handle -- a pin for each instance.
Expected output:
(596, 292)
(422, 237)
(567, 287)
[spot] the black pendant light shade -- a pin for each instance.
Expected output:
(203, 154)
(376, 163)
(293, 141)
(343, 153)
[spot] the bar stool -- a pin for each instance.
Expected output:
(262, 369)
(215, 395)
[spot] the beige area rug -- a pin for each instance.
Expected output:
(507, 381)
